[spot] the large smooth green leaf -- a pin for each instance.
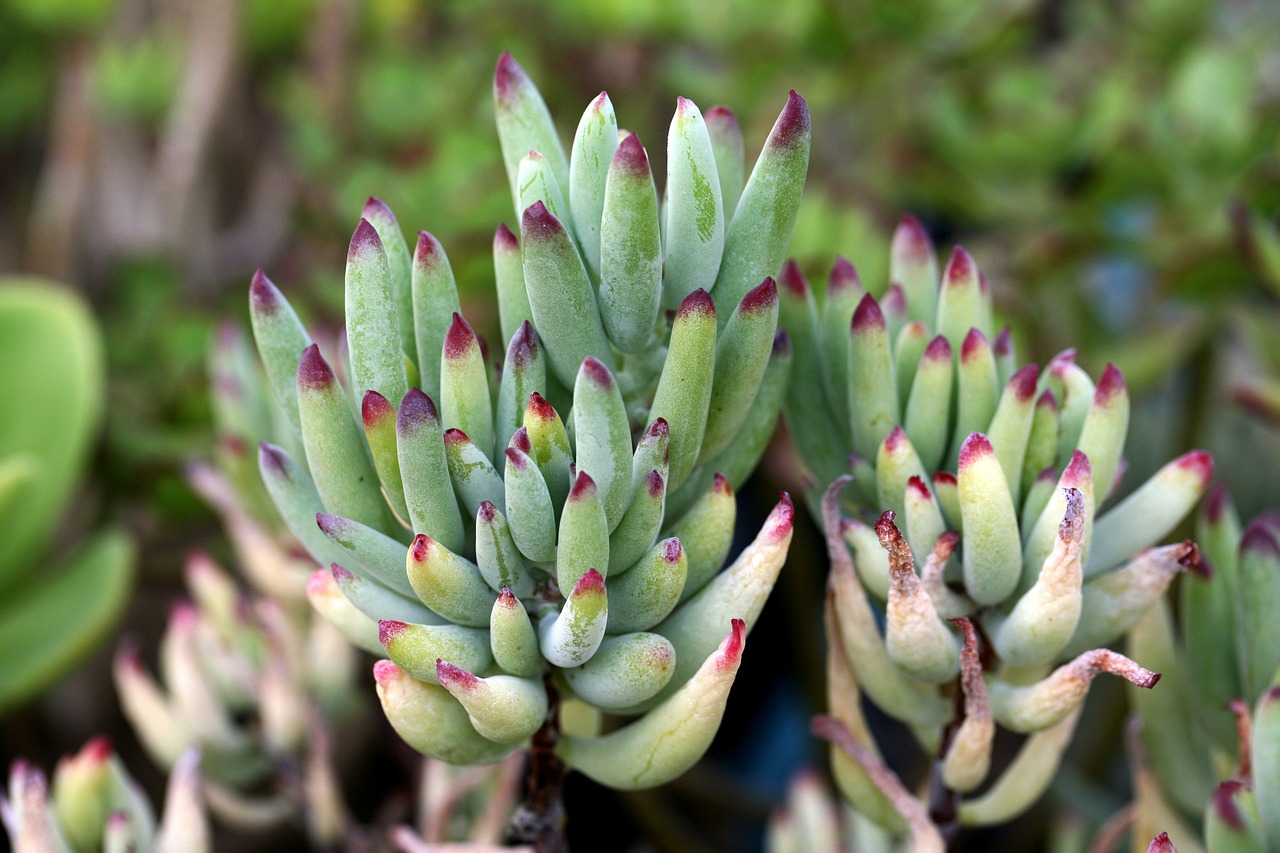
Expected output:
(51, 623)
(51, 400)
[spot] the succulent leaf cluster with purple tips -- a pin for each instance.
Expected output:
(514, 536)
(1010, 573)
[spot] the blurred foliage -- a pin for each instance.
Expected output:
(1116, 165)
(51, 392)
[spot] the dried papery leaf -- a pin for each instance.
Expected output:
(968, 758)
(925, 837)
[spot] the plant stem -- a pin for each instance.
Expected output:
(540, 819)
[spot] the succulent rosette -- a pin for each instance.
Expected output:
(1001, 569)
(550, 530)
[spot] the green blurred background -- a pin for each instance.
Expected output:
(1114, 167)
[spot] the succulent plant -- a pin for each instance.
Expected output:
(553, 527)
(95, 804)
(1002, 570)
(51, 399)
(1212, 733)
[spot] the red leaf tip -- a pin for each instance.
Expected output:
(539, 408)
(975, 448)
(264, 297)
(843, 276)
(376, 208)
(385, 671)
(451, 676)
(389, 629)
(375, 410)
(364, 240)
(314, 373)
(583, 487)
(974, 345)
(421, 548)
(731, 645)
(1109, 385)
(672, 550)
(1003, 344)
(504, 239)
(960, 268)
(655, 484)
(1023, 382)
(507, 76)
(340, 574)
(698, 304)
(792, 125)
(938, 350)
(720, 485)
(1216, 504)
(487, 513)
(917, 485)
(910, 240)
(793, 280)
(631, 157)
(460, 339)
(591, 582)
(1199, 463)
(867, 316)
(97, 750)
(762, 297)
(415, 409)
(1259, 539)
(594, 371)
(782, 518)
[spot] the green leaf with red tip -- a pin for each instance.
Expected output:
(760, 227)
(295, 497)
(424, 468)
(473, 475)
(873, 389)
(649, 590)
(602, 437)
(523, 373)
(497, 556)
(992, 547)
(742, 356)
(583, 543)
(1257, 606)
(513, 641)
(1148, 514)
(928, 411)
(1011, 426)
(378, 602)
(379, 418)
(281, 338)
(464, 385)
(1105, 426)
(684, 388)
(1074, 395)
(913, 264)
(653, 453)
(432, 721)
(561, 298)
(449, 584)
(373, 323)
(367, 552)
(631, 259)
(896, 463)
(706, 534)
(435, 301)
(336, 452)
(976, 390)
(549, 447)
(908, 347)
(726, 145)
(694, 209)
(529, 508)
(1266, 761)
(593, 147)
(524, 124)
(503, 708)
(624, 671)
(962, 304)
(1040, 536)
(569, 638)
(639, 527)
(508, 276)
(399, 263)
(416, 648)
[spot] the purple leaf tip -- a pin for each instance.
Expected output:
(364, 240)
(314, 373)
(504, 240)
(867, 316)
(792, 125)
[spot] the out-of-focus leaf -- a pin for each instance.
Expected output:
(49, 624)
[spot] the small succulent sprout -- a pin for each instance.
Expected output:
(583, 544)
(512, 638)
(1161, 844)
(590, 162)
(464, 386)
(435, 301)
(631, 260)
(424, 470)
(524, 124)
(538, 184)
(991, 546)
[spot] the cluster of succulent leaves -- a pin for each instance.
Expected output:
(51, 396)
(504, 554)
(94, 804)
(1006, 563)
(1211, 734)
